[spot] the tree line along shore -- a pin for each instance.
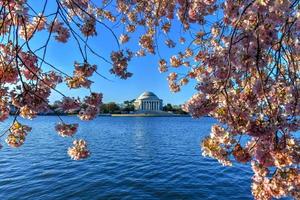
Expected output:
(110, 108)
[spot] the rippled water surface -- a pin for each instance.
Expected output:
(132, 158)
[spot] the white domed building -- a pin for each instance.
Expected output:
(148, 101)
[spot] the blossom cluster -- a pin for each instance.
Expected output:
(29, 62)
(4, 110)
(120, 63)
(17, 135)
(62, 33)
(80, 75)
(28, 29)
(8, 70)
(79, 150)
(69, 105)
(283, 182)
(66, 130)
(199, 105)
(217, 145)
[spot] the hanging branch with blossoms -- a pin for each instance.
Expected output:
(243, 55)
(25, 86)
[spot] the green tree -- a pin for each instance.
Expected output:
(174, 108)
(168, 108)
(128, 106)
(111, 108)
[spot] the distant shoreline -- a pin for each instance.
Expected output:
(120, 115)
(149, 115)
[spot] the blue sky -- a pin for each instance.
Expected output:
(146, 76)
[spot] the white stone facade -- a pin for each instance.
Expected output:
(148, 101)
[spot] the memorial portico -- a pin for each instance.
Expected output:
(148, 101)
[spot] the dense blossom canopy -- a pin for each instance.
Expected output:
(243, 55)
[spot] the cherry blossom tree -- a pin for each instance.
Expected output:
(243, 56)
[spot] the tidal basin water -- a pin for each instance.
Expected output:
(132, 158)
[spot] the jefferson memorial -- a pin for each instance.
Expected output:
(148, 101)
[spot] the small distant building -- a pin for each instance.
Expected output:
(148, 101)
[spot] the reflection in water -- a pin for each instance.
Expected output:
(143, 138)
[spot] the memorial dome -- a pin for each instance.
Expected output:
(148, 96)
